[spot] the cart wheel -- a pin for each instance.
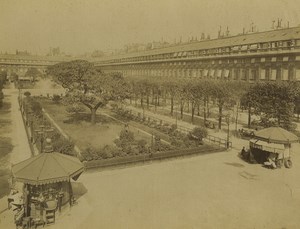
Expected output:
(279, 163)
(288, 164)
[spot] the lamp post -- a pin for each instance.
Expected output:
(176, 113)
(42, 132)
(228, 122)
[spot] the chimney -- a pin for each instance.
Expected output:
(227, 32)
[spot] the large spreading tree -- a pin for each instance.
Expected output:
(88, 85)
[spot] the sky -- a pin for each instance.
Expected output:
(79, 26)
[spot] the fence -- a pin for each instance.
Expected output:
(219, 141)
(212, 139)
(149, 157)
(28, 133)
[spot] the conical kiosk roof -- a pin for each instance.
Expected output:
(276, 135)
(47, 168)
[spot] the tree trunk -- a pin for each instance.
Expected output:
(172, 105)
(93, 116)
(207, 108)
(153, 96)
(148, 102)
(220, 115)
(142, 105)
(249, 116)
(204, 111)
(181, 109)
(198, 109)
(237, 116)
(193, 111)
(188, 106)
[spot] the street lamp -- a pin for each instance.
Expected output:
(176, 113)
(42, 132)
(228, 122)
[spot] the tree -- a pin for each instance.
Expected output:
(33, 73)
(198, 133)
(27, 93)
(125, 141)
(273, 102)
(3, 77)
(87, 85)
(222, 92)
(194, 95)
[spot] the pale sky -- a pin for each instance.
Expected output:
(79, 26)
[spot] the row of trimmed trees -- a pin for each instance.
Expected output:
(274, 103)
(196, 95)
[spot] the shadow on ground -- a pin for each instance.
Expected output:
(78, 189)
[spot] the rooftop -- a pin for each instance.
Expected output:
(241, 39)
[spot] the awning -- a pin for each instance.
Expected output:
(235, 48)
(205, 72)
(273, 74)
(212, 72)
(297, 74)
(47, 168)
(226, 73)
(285, 74)
(270, 147)
(244, 47)
(263, 74)
(254, 46)
(219, 73)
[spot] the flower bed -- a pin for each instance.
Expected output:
(40, 128)
(175, 137)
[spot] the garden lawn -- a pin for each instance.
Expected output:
(82, 132)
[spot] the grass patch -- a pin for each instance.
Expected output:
(79, 128)
(5, 146)
(4, 185)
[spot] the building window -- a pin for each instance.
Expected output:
(285, 74)
(252, 76)
(273, 73)
(263, 74)
(297, 75)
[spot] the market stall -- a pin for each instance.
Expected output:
(47, 185)
(273, 146)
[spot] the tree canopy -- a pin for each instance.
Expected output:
(87, 85)
(273, 102)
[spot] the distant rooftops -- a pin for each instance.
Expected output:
(241, 39)
(34, 57)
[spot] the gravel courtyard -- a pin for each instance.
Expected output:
(211, 191)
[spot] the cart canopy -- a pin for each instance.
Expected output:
(276, 135)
